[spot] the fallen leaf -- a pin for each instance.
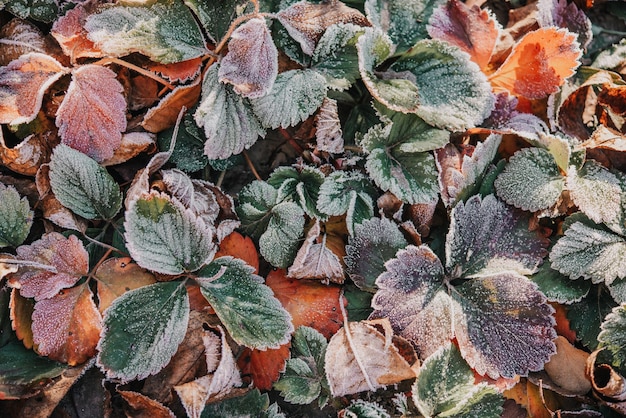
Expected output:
(360, 358)
(567, 367)
(328, 134)
(539, 64)
(164, 115)
(613, 97)
(241, 247)
(605, 380)
(132, 144)
(92, 116)
(23, 83)
(21, 317)
(144, 92)
(117, 276)
(143, 407)
(309, 303)
(19, 37)
(50, 206)
(179, 72)
(26, 157)
(69, 31)
(263, 367)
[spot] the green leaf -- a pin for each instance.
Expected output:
(142, 330)
(336, 56)
(363, 409)
(16, 218)
(452, 92)
(300, 184)
(590, 251)
(359, 303)
(229, 123)
(613, 335)
(404, 21)
(531, 180)
(486, 236)
(445, 387)
(285, 229)
(596, 191)
(304, 374)
(163, 236)
(188, 154)
(41, 10)
(295, 96)
(252, 404)
(20, 366)
(559, 288)
(164, 31)
(399, 165)
(587, 315)
(245, 305)
(348, 193)
(374, 242)
(256, 200)
(396, 92)
(82, 185)
(215, 17)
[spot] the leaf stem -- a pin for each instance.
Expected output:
(109, 248)
(251, 165)
(238, 22)
(142, 71)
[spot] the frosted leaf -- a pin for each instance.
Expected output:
(315, 260)
(19, 37)
(328, 135)
(306, 22)
(460, 175)
(82, 185)
(612, 57)
(396, 91)
(404, 21)
(300, 184)
(531, 180)
(251, 64)
(336, 57)
(374, 242)
(361, 408)
(505, 326)
(116, 276)
(505, 118)
(67, 262)
(301, 383)
(193, 194)
(16, 217)
(142, 330)
(359, 358)
(229, 123)
(445, 387)
(44, 11)
(349, 193)
(486, 236)
(473, 30)
(559, 147)
(256, 200)
(279, 243)
(295, 96)
(92, 116)
(563, 15)
(596, 191)
(71, 35)
(246, 306)
(618, 224)
(613, 335)
(413, 296)
(165, 31)
(67, 327)
(162, 236)
(590, 251)
(215, 17)
(452, 92)
(558, 287)
(23, 83)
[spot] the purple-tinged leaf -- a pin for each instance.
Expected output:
(566, 15)
(505, 118)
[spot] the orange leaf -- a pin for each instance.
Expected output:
(92, 116)
(70, 33)
(539, 64)
(562, 323)
(133, 144)
(164, 115)
(144, 407)
(179, 71)
(117, 276)
(241, 247)
(264, 367)
(67, 327)
(21, 317)
(23, 84)
(310, 303)
(27, 156)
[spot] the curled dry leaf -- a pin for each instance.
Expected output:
(23, 84)
(605, 380)
(567, 367)
(180, 72)
(92, 116)
(164, 115)
(27, 156)
(360, 358)
(140, 406)
(606, 138)
(328, 128)
(132, 144)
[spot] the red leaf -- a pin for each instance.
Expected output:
(164, 115)
(179, 71)
(473, 30)
(539, 64)
(264, 367)
(92, 117)
(241, 247)
(23, 84)
(67, 327)
(70, 33)
(66, 258)
(310, 303)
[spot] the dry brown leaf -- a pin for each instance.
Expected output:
(26, 157)
(21, 317)
(328, 135)
(606, 138)
(143, 407)
(6, 264)
(144, 92)
(180, 72)
(605, 380)
(19, 37)
(133, 144)
(164, 115)
(567, 367)
(360, 358)
(52, 209)
(117, 276)
(263, 367)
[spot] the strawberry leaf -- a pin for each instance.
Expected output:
(596, 191)
(41, 10)
(300, 185)
(558, 287)
(445, 387)
(82, 185)
(295, 96)
(374, 242)
(542, 183)
(613, 335)
(251, 64)
(163, 236)
(92, 116)
(16, 218)
(246, 306)
(142, 330)
(336, 57)
(215, 17)
(20, 366)
(229, 123)
(23, 84)
(165, 31)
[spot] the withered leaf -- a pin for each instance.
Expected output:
(263, 367)
(69, 31)
(67, 326)
(143, 407)
(164, 114)
(19, 37)
(315, 260)
(26, 157)
(92, 116)
(328, 128)
(117, 276)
